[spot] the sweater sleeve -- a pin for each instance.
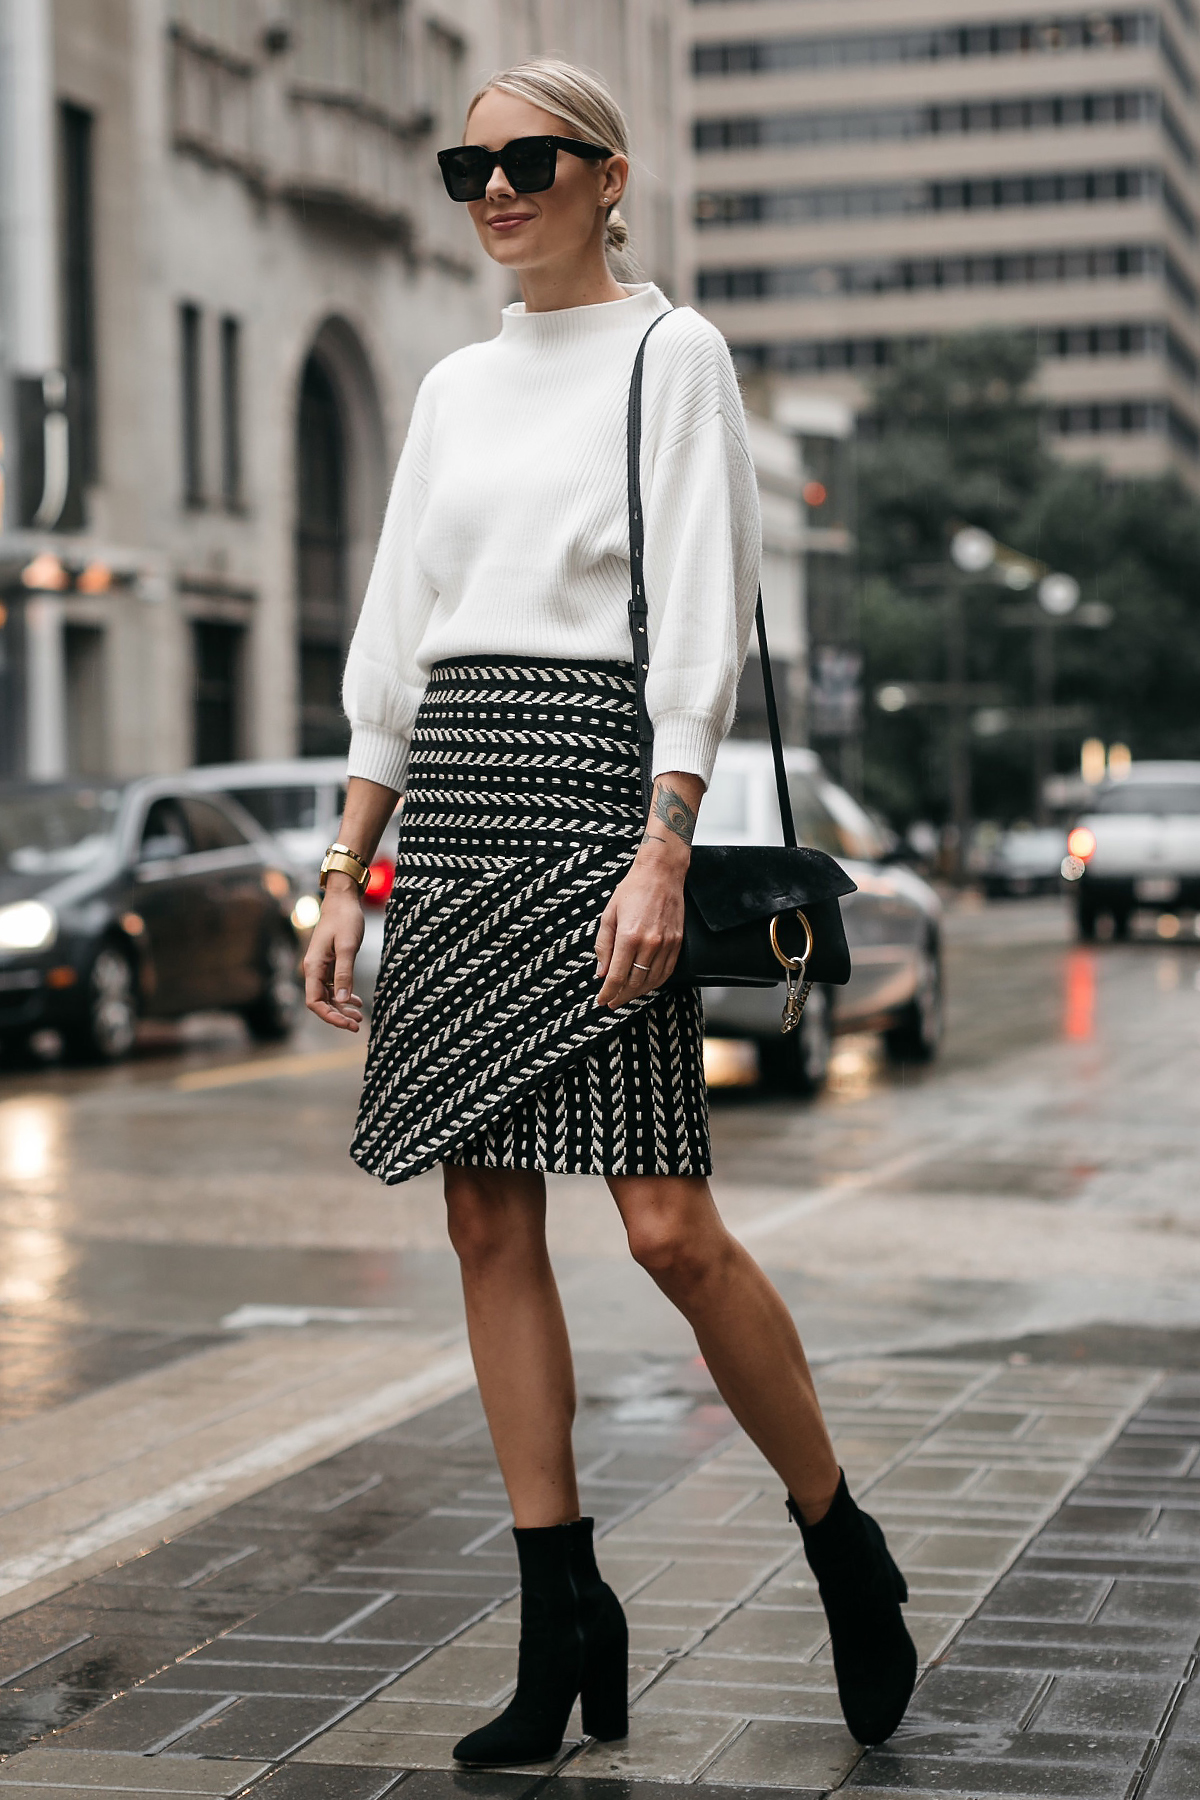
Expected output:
(382, 685)
(703, 544)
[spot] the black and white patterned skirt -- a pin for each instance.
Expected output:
(523, 811)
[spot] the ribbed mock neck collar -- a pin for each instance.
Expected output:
(577, 324)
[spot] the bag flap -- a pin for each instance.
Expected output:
(732, 883)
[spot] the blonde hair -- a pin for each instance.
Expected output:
(585, 106)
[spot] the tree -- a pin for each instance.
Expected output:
(954, 436)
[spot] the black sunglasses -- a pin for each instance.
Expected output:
(530, 163)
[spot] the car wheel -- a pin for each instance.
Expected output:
(108, 1028)
(276, 1012)
(798, 1064)
(917, 1034)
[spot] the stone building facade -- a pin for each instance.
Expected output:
(226, 261)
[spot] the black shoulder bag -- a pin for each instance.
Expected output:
(754, 915)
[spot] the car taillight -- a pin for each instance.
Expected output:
(380, 881)
(1081, 842)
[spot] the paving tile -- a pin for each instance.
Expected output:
(922, 1479)
(467, 1676)
(1022, 1596)
(311, 1614)
(414, 1619)
(1176, 1775)
(792, 1633)
(754, 1700)
(973, 1697)
(1021, 1484)
(137, 1721)
(1071, 1775)
(660, 1747)
(770, 1753)
(483, 1784)
(297, 1781)
(114, 1772)
(259, 1726)
(986, 1552)
(1093, 1702)
(313, 1654)
(1151, 1602)
(710, 1578)
(295, 1682)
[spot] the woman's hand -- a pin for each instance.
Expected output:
(642, 929)
(329, 959)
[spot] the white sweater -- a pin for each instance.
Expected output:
(507, 529)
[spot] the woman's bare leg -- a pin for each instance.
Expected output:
(497, 1224)
(744, 1330)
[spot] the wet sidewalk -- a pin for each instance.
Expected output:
(331, 1637)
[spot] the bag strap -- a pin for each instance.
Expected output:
(639, 615)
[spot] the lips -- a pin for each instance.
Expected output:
(506, 221)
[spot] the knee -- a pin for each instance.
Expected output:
(483, 1228)
(671, 1250)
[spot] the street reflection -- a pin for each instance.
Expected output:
(1079, 996)
(31, 1130)
(856, 1065)
(34, 1269)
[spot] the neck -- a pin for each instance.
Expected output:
(576, 281)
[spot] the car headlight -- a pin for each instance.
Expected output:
(27, 925)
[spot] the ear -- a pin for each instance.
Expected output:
(615, 180)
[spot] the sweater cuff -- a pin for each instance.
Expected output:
(378, 755)
(687, 742)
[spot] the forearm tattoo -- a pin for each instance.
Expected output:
(672, 810)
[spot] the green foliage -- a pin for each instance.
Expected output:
(954, 439)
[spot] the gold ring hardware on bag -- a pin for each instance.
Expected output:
(798, 989)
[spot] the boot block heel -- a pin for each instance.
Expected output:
(604, 1692)
(604, 1707)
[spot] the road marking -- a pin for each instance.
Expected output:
(255, 1315)
(387, 1406)
(270, 1068)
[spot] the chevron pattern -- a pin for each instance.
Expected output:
(523, 812)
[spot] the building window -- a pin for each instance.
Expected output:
(191, 404)
(79, 279)
(799, 205)
(321, 573)
(1127, 418)
(87, 723)
(217, 660)
(953, 118)
(887, 275)
(231, 413)
(1091, 31)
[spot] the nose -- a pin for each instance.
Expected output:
(499, 187)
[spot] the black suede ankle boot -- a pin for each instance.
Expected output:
(604, 1686)
(874, 1658)
(549, 1662)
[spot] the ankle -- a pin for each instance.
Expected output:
(811, 1506)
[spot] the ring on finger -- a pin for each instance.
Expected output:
(644, 967)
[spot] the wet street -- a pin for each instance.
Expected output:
(217, 1332)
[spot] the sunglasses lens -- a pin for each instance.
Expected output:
(530, 164)
(466, 172)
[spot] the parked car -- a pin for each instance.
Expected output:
(1024, 859)
(893, 923)
(1137, 846)
(138, 898)
(299, 803)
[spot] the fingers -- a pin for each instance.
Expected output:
(606, 937)
(329, 977)
(654, 958)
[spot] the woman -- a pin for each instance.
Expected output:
(519, 1025)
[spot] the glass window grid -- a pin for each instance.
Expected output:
(884, 275)
(1041, 112)
(793, 206)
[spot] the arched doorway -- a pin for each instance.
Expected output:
(321, 571)
(341, 485)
